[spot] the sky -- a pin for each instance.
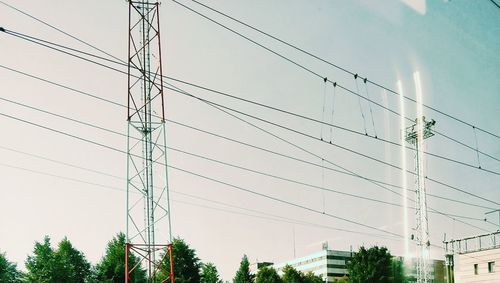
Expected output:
(56, 185)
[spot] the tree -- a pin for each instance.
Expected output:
(186, 263)
(398, 272)
(267, 275)
(66, 264)
(291, 275)
(243, 274)
(372, 265)
(343, 279)
(312, 278)
(111, 267)
(8, 271)
(209, 274)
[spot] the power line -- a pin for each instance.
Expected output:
(219, 107)
(218, 161)
(331, 63)
(279, 218)
(206, 101)
(498, 6)
(230, 114)
(97, 97)
(59, 30)
(322, 77)
(476, 150)
(276, 199)
(212, 160)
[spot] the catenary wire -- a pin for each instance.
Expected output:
(57, 46)
(338, 66)
(322, 77)
(237, 141)
(439, 182)
(273, 217)
(222, 162)
(276, 199)
(124, 72)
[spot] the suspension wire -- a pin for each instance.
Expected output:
(477, 148)
(426, 106)
(359, 102)
(333, 112)
(276, 199)
(219, 106)
(96, 143)
(124, 72)
(279, 218)
(323, 60)
(34, 40)
(320, 76)
(61, 31)
(322, 166)
(324, 102)
(309, 152)
(436, 181)
(323, 182)
(262, 32)
(370, 107)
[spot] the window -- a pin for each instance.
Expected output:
(475, 269)
(491, 266)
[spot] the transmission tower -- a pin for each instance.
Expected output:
(148, 228)
(415, 135)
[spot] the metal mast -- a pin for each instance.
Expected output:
(415, 135)
(148, 228)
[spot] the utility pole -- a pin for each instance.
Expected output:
(415, 135)
(148, 228)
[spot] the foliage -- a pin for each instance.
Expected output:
(209, 274)
(371, 265)
(111, 267)
(186, 263)
(66, 264)
(291, 275)
(267, 275)
(343, 279)
(8, 270)
(312, 278)
(243, 274)
(398, 271)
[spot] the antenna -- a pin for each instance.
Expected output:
(148, 228)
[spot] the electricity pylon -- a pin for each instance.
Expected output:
(148, 228)
(415, 135)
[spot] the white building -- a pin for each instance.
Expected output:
(474, 259)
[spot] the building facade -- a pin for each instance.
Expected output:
(474, 259)
(328, 264)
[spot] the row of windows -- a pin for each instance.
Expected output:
(318, 259)
(491, 267)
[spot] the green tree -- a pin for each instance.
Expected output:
(243, 274)
(291, 275)
(343, 279)
(371, 265)
(186, 263)
(8, 271)
(66, 264)
(111, 267)
(312, 278)
(398, 272)
(267, 275)
(209, 274)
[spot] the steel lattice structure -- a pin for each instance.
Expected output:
(415, 135)
(148, 228)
